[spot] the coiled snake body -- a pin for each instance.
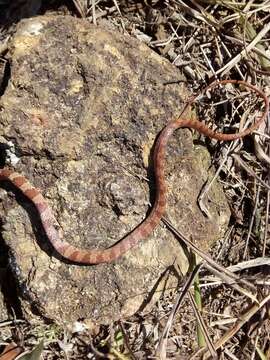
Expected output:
(88, 257)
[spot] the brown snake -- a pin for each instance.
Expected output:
(141, 232)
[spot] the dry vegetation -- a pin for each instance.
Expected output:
(222, 308)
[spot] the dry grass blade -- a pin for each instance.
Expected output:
(208, 19)
(34, 354)
(208, 61)
(261, 155)
(250, 171)
(126, 340)
(227, 276)
(161, 348)
(251, 34)
(117, 7)
(102, 13)
(203, 327)
(230, 56)
(81, 7)
(244, 265)
(226, 68)
(266, 223)
(258, 71)
(94, 18)
(208, 185)
(251, 223)
(260, 261)
(237, 41)
(239, 323)
(11, 322)
(260, 137)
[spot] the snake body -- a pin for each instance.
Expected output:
(141, 232)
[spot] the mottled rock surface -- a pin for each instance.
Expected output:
(79, 117)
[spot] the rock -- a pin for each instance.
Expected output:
(79, 117)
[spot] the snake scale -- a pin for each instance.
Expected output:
(96, 256)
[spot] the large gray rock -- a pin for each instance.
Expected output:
(79, 118)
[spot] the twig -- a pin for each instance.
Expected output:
(209, 184)
(251, 222)
(244, 52)
(203, 327)
(266, 223)
(249, 170)
(94, 19)
(241, 42)
(230, 55)
(229, 277)
(161, 348)
(239, 323)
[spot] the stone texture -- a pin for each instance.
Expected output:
(79, 117)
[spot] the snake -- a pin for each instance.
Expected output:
(147, 226)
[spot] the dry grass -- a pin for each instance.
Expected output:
(209, 39)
